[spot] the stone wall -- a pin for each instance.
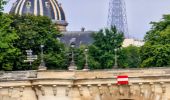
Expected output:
(144, 84)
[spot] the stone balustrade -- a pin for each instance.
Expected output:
(144, 84)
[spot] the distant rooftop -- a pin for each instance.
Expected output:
(78, 37)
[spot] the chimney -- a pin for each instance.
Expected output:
(82, 29)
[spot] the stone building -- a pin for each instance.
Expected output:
(53, 10)
(130, 41)
(50, 8)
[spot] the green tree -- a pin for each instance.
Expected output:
(156, 50)
(32, 31)
(2, 3)
(80, 56)
(129, 57)
(102, 50)
(7, 49)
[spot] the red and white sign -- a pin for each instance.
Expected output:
(122, 80)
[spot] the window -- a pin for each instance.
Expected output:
(47, 4)
(28, 4)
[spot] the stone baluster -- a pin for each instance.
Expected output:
(131, 90)
(54, 90)
(42, 90)
(152, 87)
(163, 97)
(21, 90)
(68, 90)
(10, 89)
(110, 89)
(100, 89)
(90, 90)
(163, 87)
(36, 89)
(0, 90)
(120, 90)
(80, 90)
(141, 89)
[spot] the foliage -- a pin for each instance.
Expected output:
(2, 3)
(129, 57)
(80, 56)
(32, 31)
(7, 49)
(156, 51)
(102, 50)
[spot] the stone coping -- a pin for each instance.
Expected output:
(80, 74)
(124, 69)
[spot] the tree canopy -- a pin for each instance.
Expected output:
(7, 37)
(156, 51)
(30, 33)
(129, 57)
(102, 50)
(21, 33)
(2, 3)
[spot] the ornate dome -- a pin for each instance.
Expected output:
(49, 8)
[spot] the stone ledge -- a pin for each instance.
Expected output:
(79, 74)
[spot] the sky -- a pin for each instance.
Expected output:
(92, 14)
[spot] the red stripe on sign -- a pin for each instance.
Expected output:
(122, 76)
(123, 82)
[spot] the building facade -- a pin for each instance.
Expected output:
(130, 41)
